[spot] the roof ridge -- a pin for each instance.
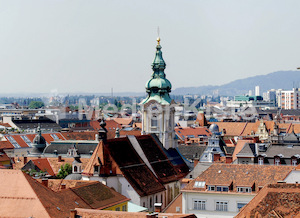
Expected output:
(31, 181)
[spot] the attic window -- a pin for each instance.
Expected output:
(199, 184)
(96, 169)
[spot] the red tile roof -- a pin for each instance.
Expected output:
(119, 214)
(21, 195)
(240, 175)
(231, 128)
(184, 132)
(44, 165)
(5, 124)
(274, 200)
(110, 125)
(79, 135)
(123, 121)
(6, 145)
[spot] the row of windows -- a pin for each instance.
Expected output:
(218, 188)
(219, 205)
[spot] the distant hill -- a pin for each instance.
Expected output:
(276, 80)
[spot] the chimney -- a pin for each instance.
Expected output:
(59, 158)
(45, 182)
(152, 215)
(196, 161)
(228, 159)
(25, 160)
(157, 207)
(73, 213)
(63, 186)
(216, 157)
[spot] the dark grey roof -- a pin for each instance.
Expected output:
(62, 147)
(191, 151)
(248, 150)
(286, 151)
(291, 137)
(200, 168)
(229, 150)
(34, 123)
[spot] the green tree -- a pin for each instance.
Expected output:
(36, 104)
(64, 170)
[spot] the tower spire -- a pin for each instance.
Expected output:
(158, 87)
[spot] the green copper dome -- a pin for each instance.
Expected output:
(158, 87)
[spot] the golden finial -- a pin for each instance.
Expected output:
(158, 40)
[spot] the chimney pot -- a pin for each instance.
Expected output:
(45, 182)
(196, 161)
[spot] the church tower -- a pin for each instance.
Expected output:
(157, 109)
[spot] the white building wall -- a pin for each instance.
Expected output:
(210, 206)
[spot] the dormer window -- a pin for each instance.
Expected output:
(75, 169)
(222, 188)
(277, 161)
(244, 189)
(211, 188)
(96, 169)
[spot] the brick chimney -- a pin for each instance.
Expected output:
(25, 160)
(157, 207)
(196, 161)
(228, 159)
(59, 158)
(45, 182)
(152, 215)
(216, 157)
(63, 186)
(73, 213)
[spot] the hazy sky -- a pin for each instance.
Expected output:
(95, 45)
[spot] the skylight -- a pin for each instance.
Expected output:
(199, 184)
(55, 137)
(13, 142)
(26, 139)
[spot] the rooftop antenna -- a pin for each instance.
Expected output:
(158, 38)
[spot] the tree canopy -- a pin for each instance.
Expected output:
(36, 104)
(64, 170)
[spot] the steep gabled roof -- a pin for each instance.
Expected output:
(239, 146)
(44, 165)
(133, 167)
(95, 160)
(21, 195)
